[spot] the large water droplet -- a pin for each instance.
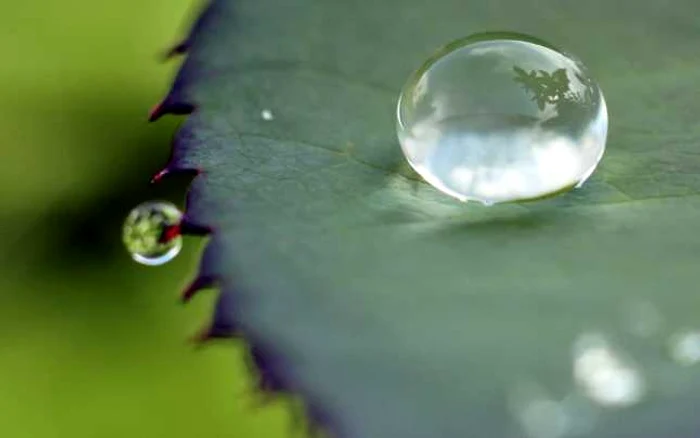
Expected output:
(150, 233)
(502, 117)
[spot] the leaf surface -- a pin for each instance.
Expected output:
(395, 311)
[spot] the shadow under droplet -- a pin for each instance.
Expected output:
(85, 233)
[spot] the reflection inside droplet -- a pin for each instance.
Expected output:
(267, 115)
(685, 348)
(604, 375)
(145, 233)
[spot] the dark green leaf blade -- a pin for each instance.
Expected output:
(403, 313)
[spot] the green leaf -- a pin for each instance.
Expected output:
(395, 311)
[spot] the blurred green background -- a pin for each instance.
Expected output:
(92, 344)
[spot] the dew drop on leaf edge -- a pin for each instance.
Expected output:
(144, 229)
(502, 117)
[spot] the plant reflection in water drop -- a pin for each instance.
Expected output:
(554, 89)
(144, 233)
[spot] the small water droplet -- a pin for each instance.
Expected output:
(267, 115)
(604, 375)
(145, 233)
(684, 348)
(502, 117)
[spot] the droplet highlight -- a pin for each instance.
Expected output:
(150, 233)
(267, 115)
(501, 117)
